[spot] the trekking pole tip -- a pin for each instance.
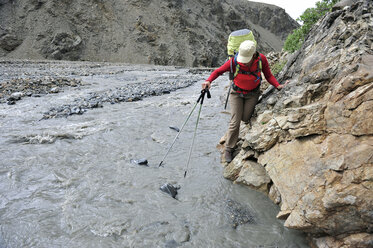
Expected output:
(185, 174)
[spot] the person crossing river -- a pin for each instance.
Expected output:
(247, 66)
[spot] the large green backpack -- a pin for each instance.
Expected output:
(234, 41)
(236, 38)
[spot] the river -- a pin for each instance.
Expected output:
(70, 181)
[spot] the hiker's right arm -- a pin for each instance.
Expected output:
(216, 73)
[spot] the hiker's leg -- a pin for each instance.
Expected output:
(251, 99)
(236, 103)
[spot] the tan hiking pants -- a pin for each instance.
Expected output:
(242, 107)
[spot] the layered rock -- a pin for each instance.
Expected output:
(314, 139)
(185, 33)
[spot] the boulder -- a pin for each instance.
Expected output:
(248, 173)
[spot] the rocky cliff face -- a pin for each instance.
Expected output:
(186, 33)
(311, 145)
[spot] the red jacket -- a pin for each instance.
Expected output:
(244, 81)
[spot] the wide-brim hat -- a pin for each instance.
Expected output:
(246, 51)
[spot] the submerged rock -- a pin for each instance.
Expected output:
(239, 214)
(171, 244)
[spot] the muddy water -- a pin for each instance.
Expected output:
(69, 182)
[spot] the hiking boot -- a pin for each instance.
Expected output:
(228, 156)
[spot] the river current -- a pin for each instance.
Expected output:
(70, 182)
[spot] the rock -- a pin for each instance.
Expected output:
(248, 173)
(359, 240)
(16, 96)
(175, 128)
(63, 45)
(274, 194)
(54, 90)
(263, 137)
(9, 39)
(342, 4)
(141, 161)
(283, 214)
(170, 189)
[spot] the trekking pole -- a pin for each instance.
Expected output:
(202, 96)
(231, 77)
(229, 91)
(181, 129)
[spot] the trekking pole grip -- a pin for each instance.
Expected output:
(208, 92)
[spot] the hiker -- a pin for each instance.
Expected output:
(245, 88)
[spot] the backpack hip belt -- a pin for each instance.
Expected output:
(240, 90)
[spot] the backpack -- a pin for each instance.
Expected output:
(234, 41)
(236, 38)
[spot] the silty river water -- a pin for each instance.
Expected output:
(70, 182)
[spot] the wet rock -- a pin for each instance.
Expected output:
(247, 172)
(54, 90)
(170, 189)
(141, 161)
(76, 110)
(16, 96)
(175, 128)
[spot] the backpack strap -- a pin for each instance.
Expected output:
(231, 73)
(256, 73)
(236, 65)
